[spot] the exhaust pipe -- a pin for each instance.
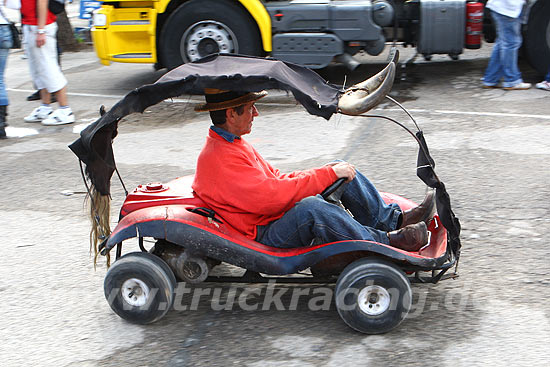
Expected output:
(347, 60)
(364, 96)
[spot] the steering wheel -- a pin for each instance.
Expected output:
(334, 192)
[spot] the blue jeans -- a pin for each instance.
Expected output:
(5, 44)
(504, 59)
(314, 218)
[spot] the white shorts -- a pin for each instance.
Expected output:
(43, 65)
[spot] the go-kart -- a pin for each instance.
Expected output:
(372, 293)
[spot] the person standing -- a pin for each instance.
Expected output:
(6, 42)
(503, 65)
(39, 32)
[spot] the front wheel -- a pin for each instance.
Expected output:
(201, 28)
(537, 37)
(373, 296)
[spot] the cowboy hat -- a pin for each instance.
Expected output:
(217, 99)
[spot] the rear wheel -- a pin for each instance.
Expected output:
(138, 288)
(373, 296)
(537, 37)
(201, 28)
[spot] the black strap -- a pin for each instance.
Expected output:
(205, 212)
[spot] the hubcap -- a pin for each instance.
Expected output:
(373, 300)
(205, 38)
(135, 292)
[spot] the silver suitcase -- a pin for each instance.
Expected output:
(442, 27)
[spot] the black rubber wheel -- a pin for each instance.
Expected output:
(199, 28)
(138, 288)
(159, 262)
(373, 296)
(537, 37)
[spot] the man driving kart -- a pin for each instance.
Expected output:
(286, 210)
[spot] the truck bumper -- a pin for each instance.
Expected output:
(129, 35)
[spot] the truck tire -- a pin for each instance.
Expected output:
(537, 37)
(199, 28)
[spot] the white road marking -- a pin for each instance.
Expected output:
(20, 132)
(500, 114)
(196, 99)
(415, 110)
(71, 93)
(533, 139)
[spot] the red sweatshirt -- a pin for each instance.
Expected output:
(29, 13)
(240, 186)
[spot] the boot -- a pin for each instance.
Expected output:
(421, 213)
(34, 97)
(3, 124)
(410, 238)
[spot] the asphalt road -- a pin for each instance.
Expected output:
(491, 148)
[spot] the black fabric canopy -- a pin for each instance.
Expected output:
(230, 72)
(425, 170)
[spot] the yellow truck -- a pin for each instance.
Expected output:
(313, 33)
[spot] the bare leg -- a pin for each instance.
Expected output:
(45, 96)
(62, 97)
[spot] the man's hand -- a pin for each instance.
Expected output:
(40, 40)
(41, 15)
(344, 169)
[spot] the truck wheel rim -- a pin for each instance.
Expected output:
(135, 292)
(373, 300)
(205, 38)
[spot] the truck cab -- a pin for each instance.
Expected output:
(313, 33)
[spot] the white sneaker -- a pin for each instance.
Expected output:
(38, 114)
(519, 86)
(61, 116)
(543, 85)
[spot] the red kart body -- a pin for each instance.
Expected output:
(165, 211)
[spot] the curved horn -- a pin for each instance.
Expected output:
(364, 96)
(394, 55)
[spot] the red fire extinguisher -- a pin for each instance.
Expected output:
(474, 24)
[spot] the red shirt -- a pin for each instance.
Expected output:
(29, 13)
(244, 189)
